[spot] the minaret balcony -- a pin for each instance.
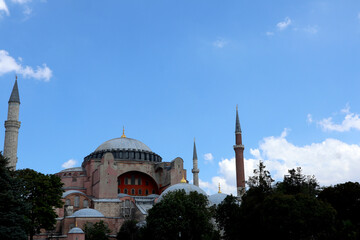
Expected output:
(239, 146)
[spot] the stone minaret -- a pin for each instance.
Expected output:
(239, 158)
(195, 169)
(12, 126)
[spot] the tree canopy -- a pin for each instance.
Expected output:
(98, 231)
(42, 193)
(13, 220)
(287, 210)
(180, 216)
(345, 198)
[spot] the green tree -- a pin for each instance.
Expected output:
(297, 216)
(345, 198)
(98, 231)
(12, 206)
(42, 193)
(228, 218)
(288, 210)
(296, 182)
(129, 231)
(180, 216)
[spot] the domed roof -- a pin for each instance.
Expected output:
(76, 230)
(182, 186)
(87, 212)
(123, 143)
(65, 194)
(217, 198)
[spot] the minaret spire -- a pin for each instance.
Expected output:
(12, 126)
(239, 157)
(195, 169)
(237, 125)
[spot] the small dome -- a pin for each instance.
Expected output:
(182, 186)
(123, 143)
(217, 198)
(87, 212)
(65, 194)
(76, 230)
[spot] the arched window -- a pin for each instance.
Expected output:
(146, 192)
(67, 202)
(132, 191)
(140, 192)
(85, 203)
(77, 201)
(125, 191)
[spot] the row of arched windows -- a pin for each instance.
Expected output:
(133, 191)
(77, 202)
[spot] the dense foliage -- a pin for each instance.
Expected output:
(97, 231)
(345, 198)
(180, 216)
(42, 193)
(13, 220)
(290, 209)
(129, 231)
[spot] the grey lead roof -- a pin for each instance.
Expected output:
(123, 143)
(237, 127)
(14, 97)
(76, 230)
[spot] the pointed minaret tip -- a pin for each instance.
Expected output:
(14, 97)
(237, 126)
(194, 153)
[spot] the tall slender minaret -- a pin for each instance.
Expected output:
(239, 158)
(195, 169)
(12, 126)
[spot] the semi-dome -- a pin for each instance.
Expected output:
(87, 212)
(123, 143)
(217, 198)
(76, 230)
(182, 186)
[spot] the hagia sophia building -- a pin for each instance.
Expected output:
(121, 179)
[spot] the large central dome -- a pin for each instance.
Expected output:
(123, 143)
(125, 149)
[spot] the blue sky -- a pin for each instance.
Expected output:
(170, 71)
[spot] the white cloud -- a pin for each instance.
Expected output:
(9, 64)
(69, 164)
(208, 157)
(226, 178)
(220, 43)
(309, 118)
(4, 8)
(350, 121)
(331, 161)
(269, 33)
(283, 25)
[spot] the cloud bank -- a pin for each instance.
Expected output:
(330, 161)
(8, 64)
(3, 8)
(351, 121)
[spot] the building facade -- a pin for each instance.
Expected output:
(121, 179)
